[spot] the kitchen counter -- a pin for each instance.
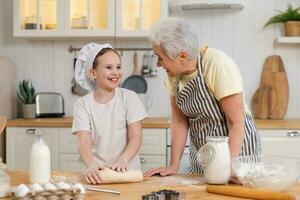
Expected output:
(147, 123)
(192, 185)
(278, 123)
(67, 122)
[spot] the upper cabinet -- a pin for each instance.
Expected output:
(37, 18)
(89, 18)
(84, 18)
(135, 17)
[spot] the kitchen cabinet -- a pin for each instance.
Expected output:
(87, 18)
(38, 18)
(135, 17)
(64, 151)
(152, 152)
(280, 142)
(153, 149)
(19, 142)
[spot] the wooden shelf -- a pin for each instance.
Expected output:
(288, 40)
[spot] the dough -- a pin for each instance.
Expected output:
(112, 176)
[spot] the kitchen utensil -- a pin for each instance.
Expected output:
(164, 194)
(77, 89)
(152, 65)
(275, 173)
(135, 82)
(145, 67)
(271, 98)
(49, 104)
(2, 123)
(214, 157)
(251, 193)
(101, 190)
(260, 102)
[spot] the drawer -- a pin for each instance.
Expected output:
(152, 161)
(280, 143)
(70, 162)
(67, 141)
(154, 141)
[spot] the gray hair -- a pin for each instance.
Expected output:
(174, 35)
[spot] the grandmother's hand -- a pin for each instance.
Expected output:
(91, 174)
(234, 179)
(162, 171)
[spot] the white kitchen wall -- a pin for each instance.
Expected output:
(239, 33)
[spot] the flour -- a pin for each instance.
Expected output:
(176, 180)
(274, 177)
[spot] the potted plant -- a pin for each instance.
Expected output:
(27, 96)
(290, 18)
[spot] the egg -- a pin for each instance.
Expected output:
(36, 187)
(63, 185)
(49, 186)
(80, 187)
(22, 190)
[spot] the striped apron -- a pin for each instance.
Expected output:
(206, 118)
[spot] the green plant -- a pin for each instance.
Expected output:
(291, 14)
(26, 92)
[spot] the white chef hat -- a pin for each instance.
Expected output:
(84, 63)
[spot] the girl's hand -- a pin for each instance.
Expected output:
(91, 174)
(121, 165)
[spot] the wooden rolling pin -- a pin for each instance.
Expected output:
(245, 192)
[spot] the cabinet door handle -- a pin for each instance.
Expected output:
(143, 160)
(31, 131)
(293, 134)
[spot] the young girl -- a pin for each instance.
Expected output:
(107, 121)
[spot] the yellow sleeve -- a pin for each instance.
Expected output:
(221, 74)
(169, 84)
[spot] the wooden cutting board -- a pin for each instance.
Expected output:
(270, 101)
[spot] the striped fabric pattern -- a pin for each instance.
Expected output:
(206, 118)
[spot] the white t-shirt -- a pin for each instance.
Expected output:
(108, 122)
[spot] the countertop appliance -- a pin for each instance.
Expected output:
(185, 160)
(49, 104)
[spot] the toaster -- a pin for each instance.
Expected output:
(49, 104)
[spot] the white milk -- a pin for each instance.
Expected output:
(4, 184)
(217, 163)
(39, 163)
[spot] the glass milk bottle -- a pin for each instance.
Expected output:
(39, 163)
(215, 159)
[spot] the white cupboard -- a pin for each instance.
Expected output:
(87, 18)
(38, 18)
(64, 151)
(19, 142)
(280, 142)
(153, 149)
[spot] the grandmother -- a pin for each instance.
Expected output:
(206, 95)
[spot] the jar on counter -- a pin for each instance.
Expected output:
(215, 159)
(4, 184)
(39, 163)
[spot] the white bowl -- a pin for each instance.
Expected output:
(276, 173)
